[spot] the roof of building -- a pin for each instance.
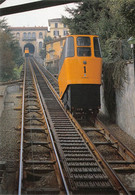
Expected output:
(28, 28)
(55, 20)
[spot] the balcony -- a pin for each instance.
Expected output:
(29, 39)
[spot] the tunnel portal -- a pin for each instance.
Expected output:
(31, 48)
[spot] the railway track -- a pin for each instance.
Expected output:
(38, 170)
(83, 173)
(115, 158)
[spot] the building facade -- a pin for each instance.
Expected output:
(53, 50)
(57, 28)
(31, 37)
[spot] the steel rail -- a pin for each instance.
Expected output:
(50, 86)
(22, 136)
(44, 68)
(41, 99)
(56, 81)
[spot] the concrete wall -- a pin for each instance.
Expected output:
(4, 90)
(125, 104)
(125, 101)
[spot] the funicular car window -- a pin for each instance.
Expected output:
(68, 51)
(83, 51)
(83, 41)
(69, 47)
(97, 51)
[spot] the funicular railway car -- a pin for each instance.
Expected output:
(79, 78)
(26, 52)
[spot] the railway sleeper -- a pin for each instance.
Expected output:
(35, 162)
(48, 191)
(70, 142)
(33, 118)
(39, 170)
(92, 184)
(31, 143)
(34, 130)
(91, 129)
(82, 164)
(81, 170)
(88, 178)
(103, 143)
(80, 159)
(124, 169)
(121, 162)
(32, 109)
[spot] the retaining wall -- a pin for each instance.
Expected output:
(4, 89)
(125, 104)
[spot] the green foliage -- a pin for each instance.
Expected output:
(17, 72)
(109, 92)
(42, 52)
(84, 17)
(10, 53)
(128, 12)
(110, 19)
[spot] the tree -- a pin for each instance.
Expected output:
(10, 53)
(6, 57)
(43, 50)
(127, 10)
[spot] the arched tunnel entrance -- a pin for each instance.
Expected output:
(31, 48)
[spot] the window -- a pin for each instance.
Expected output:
(83, 41)
(18, 35)
(65, 32)
(33, 35)
(84, 51)
(64, 25)
(68, 50)
(69, 47)
(56, 25)
(40, 35)
(40, 45)
(29, 35)
(56, 33)
(24, 35)
(97, 51)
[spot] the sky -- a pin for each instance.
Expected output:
(36, 17)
